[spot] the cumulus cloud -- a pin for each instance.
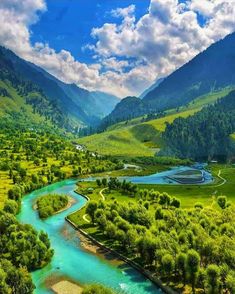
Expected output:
(128, 55)
(167, 36)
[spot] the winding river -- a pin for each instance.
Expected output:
(70, 260)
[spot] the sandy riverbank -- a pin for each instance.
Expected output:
(62, 285)
(88, 244)
(71, 201)
(66, 287)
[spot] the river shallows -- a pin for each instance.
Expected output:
(69, 259)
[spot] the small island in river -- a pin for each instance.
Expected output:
(50, 204)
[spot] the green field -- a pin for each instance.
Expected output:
(136, 138)
(189, 195)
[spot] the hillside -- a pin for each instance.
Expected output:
(23, 101)
(205, 135)
(138, 137)
(74, 103)
(210, 71)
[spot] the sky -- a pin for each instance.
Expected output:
(116, 46)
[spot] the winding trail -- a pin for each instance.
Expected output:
(223, 179)
(85, 218)
(103, 198)
(101, 194)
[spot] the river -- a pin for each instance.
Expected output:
(70, 260)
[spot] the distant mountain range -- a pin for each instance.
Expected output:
(209, 71)
(78, 106)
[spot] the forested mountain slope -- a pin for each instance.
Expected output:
(22, 100)
(142, 136)
(210, 71)
(76, 104)
(206, 134)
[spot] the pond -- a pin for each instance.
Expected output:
(166, 177)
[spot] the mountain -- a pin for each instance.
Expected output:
(152, 87)
(206, 134)
(210, 71)
(75, 103)
(101, 102)
(23, 101)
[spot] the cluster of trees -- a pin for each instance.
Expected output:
(206, 134)
(164, 160)
(114, 184)
(50, 204)
(22, 249)
(32, 157)
(186, 247)
(149, 196)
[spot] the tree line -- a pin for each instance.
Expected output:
(206, 134)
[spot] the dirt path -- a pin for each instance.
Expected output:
(220, 177)
(101, 194)
(85, 218)
(103, 198)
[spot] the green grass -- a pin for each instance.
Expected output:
(118, 142)
(136, 138)
(160, 123)
(189, 195)
(17, 103)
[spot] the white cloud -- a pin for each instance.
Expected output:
(128, 56)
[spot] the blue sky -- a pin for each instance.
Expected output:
(129, 44)
(67, 24)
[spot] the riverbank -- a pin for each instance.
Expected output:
(66, 287)
(97, 244)
(91, 244)
(63, 285)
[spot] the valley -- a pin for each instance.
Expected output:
(106, 194)
(137, 138)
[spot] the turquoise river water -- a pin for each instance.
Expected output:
(70, 260)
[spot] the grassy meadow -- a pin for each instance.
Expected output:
(136, 138)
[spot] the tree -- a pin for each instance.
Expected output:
(131, 237)
(167, 264)
(164, 199)
(213, 274)
(111, 230)
(181, 265)
(104, 182)
(198, 205)
(11, 206)
(175, 202)
(4, 287)
(230, 282)
(98, 182)
(222, 202)
(91, 209)
(201, 279)
(193, 261)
